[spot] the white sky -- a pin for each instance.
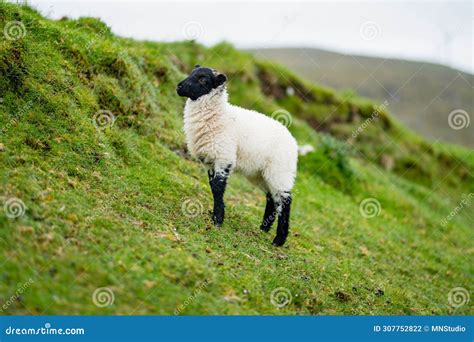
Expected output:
(436, 31)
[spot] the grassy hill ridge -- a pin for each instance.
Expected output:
(420, 94)
(93, 151)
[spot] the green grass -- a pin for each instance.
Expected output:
(106, 208)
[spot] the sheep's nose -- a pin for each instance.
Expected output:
(179, 88)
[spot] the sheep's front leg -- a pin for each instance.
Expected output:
(218, 182)
(283, 206)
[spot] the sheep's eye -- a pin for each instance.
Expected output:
(202, 79)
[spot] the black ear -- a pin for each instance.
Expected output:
(197, 66)
(220, 79)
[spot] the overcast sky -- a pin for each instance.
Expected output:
(438, 31)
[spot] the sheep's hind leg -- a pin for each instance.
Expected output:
(283, 206)
(269, 215)
(218, 182)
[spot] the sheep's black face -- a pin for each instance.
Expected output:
(200, 82)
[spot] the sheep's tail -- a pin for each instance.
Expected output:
(305, 149)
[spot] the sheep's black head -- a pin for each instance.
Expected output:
(200, 82)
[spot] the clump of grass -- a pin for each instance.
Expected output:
(331, 163)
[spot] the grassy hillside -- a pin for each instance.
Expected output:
(120, 204)
(421, 95)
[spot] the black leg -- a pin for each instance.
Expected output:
(270, 214)
(218, 182)
(283, 209)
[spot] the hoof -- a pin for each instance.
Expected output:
(278, 242)
(217, 222)
(264, 229)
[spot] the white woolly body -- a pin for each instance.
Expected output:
(221, 134)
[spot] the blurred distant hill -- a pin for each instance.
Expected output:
(421, 95)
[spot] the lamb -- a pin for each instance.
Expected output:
(229, 138)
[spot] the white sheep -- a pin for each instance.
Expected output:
(227, 137)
